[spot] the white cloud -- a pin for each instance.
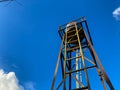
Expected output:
(116, 13)
(8, 81)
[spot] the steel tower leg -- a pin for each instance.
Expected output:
(77, 57)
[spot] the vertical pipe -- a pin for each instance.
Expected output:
(70, 86)
(62, 58)
(77, 73)
(80, 71)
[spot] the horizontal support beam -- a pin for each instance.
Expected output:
(83, 88)
(80, 69)
(73, 58)
(73, 41)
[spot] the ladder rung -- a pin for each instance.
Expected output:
(73, 58)
(70, 49)
(70, 31)
(72, 41)
(71, 36)
(82, 88)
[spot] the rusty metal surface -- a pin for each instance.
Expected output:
(76, 40)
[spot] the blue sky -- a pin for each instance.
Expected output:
(29, 41)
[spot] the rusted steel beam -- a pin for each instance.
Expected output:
(80, 69)
(100, 64)
(75, 60)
